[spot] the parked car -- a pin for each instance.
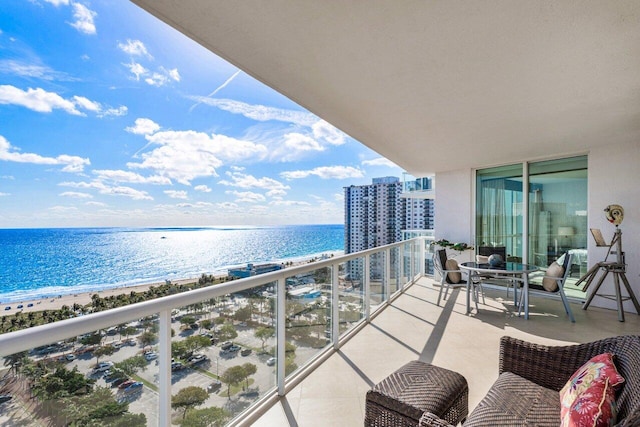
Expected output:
(177, 366)
(5, 398)
(117, 344)
(150, 355)
(245, 352)
(225, 345)
(70, 357)
(234, 348)
(249, 393)
(197, 358)
(125, 384)
(271, 361)
(8, 307)
(133, 387)
(103, 366)
(20, 306)
(214, 386)
(119, 381)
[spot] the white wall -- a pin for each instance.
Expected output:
(454, 206)
(614, 177)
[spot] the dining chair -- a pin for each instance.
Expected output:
(450, 274)
(555, 274)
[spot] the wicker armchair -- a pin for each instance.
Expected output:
(538, 372)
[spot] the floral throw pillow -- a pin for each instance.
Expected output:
(595, 407)
(590, 391)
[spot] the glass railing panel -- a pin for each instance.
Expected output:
(406, 263)
(351, 275)
(394, 269)
(220, 352)
(92, 379)
(377, 278)
(307, 316)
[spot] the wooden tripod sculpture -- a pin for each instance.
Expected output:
(617, 267)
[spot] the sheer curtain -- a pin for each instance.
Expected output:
(494, 212)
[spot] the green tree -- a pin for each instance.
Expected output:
(233, 376)
(196, 342)
(249, 369)
(187, 320)
(188, 397)
(243, 314)
(227, 332)
(206, 417)
(206, 323)
(132, 365)
(93, 339)
(147, 338)
(106, 350)
(263, 333)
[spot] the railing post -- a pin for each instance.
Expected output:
(335, 302)
(367, 287)
(421, 258)
(386, 285)
(281, 333)
(164, 369)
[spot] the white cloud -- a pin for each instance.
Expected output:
(108, 190)
(325, 172)
(131, 177)
(339, 197)
(63, 209)
(36, 99)
(4, 194)
(258, 112)
(162, 77)
(136, 69)
(116, 112)
(242, 180)
(86, 104)
(226, 205)
(11, 66)
(202, 188)
(58, 2)
(247, 196)
(198, 205)
(12, 154)
(380, 161)
(327, 132)
(187, 155)
(134, 48)
(143, 127)
(42, 101)
(175, 194)
(289, 203)
(76, 195)
(84, 19)
(98, 204)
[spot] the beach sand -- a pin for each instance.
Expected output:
(55, 303)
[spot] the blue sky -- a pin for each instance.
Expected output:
(108, 117)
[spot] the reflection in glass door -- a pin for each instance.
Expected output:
(499, 211)
(558, 212)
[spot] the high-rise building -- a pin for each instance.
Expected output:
(376, 214)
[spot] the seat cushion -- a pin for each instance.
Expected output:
(453, 277)
(514, 401)
(549, 282)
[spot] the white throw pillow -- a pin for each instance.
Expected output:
(549, 283)
(452, 264)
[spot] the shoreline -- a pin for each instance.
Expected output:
(84, 298)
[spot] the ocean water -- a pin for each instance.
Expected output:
(38, 263)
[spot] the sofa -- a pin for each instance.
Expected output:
(526, 392)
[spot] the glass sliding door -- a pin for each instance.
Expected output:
(499, 222)
(558, 212)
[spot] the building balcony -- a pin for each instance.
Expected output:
(329, 331)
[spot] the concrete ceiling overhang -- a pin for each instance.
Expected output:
(439, 85)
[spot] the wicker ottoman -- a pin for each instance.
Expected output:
(418, 387)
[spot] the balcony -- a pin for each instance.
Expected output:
(372, 311)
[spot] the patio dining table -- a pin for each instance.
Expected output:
(511, 270)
